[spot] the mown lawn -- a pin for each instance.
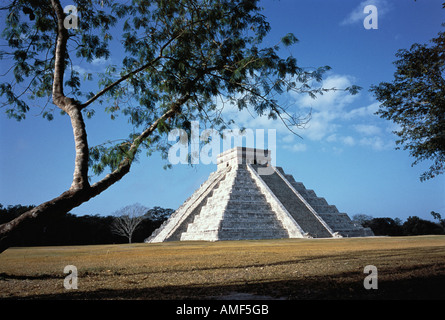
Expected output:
(408, 268)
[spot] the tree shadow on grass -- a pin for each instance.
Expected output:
(346, 287)
(6, 276)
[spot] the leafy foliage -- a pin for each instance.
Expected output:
(30, 31)
(384, 227)
(69, 229)
(415, 101)
(395, 227)
(415, 226)
(186, 55)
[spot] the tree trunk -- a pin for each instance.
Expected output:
(63, 203)
(80, 176)
(76, 196)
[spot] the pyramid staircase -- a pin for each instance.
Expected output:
(236, 210)
(242, 200)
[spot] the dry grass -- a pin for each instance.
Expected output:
(408, 267)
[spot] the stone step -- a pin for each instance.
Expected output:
(235, 224)
(193, 227)
(269, 225)
(247, 205)
(232, 214)
(212, 207)
(319, 204)
(237, 217)
(246, 234)
(338, 221)
(252, 196)
(210, 235)
(317, 201)
(250, 216)
(293, 204)
(251, 200)
(324, 208)
(234, 234)
(299, 186)
(240, 190)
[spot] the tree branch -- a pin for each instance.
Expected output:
(128, 75)
(125, 165)
(59, 98)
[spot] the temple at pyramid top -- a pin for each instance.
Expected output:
(243, 155)
(243, 200)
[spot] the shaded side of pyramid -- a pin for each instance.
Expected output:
(340, 223)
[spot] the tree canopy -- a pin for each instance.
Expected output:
(415, 102)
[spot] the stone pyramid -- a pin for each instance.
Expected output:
(248, 198)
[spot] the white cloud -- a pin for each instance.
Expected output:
(96, 65)
(327, 109)
(367, 129)
(376, 143)
(335, 119)
(81, 70)
(332, 100)
(296, 147)
(288, 138)
(357, 15)
(362, 111)
(332, 138)
(393, 127)
(291, 142)
(348, 140)
(249, 119)
(100, 61)
(321, 125)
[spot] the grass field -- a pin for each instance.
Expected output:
(408, 268)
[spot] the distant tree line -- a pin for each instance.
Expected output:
(413, 226)
(70, 229)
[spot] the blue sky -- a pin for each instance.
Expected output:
(346, 153)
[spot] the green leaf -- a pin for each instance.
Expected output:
(289, 39)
